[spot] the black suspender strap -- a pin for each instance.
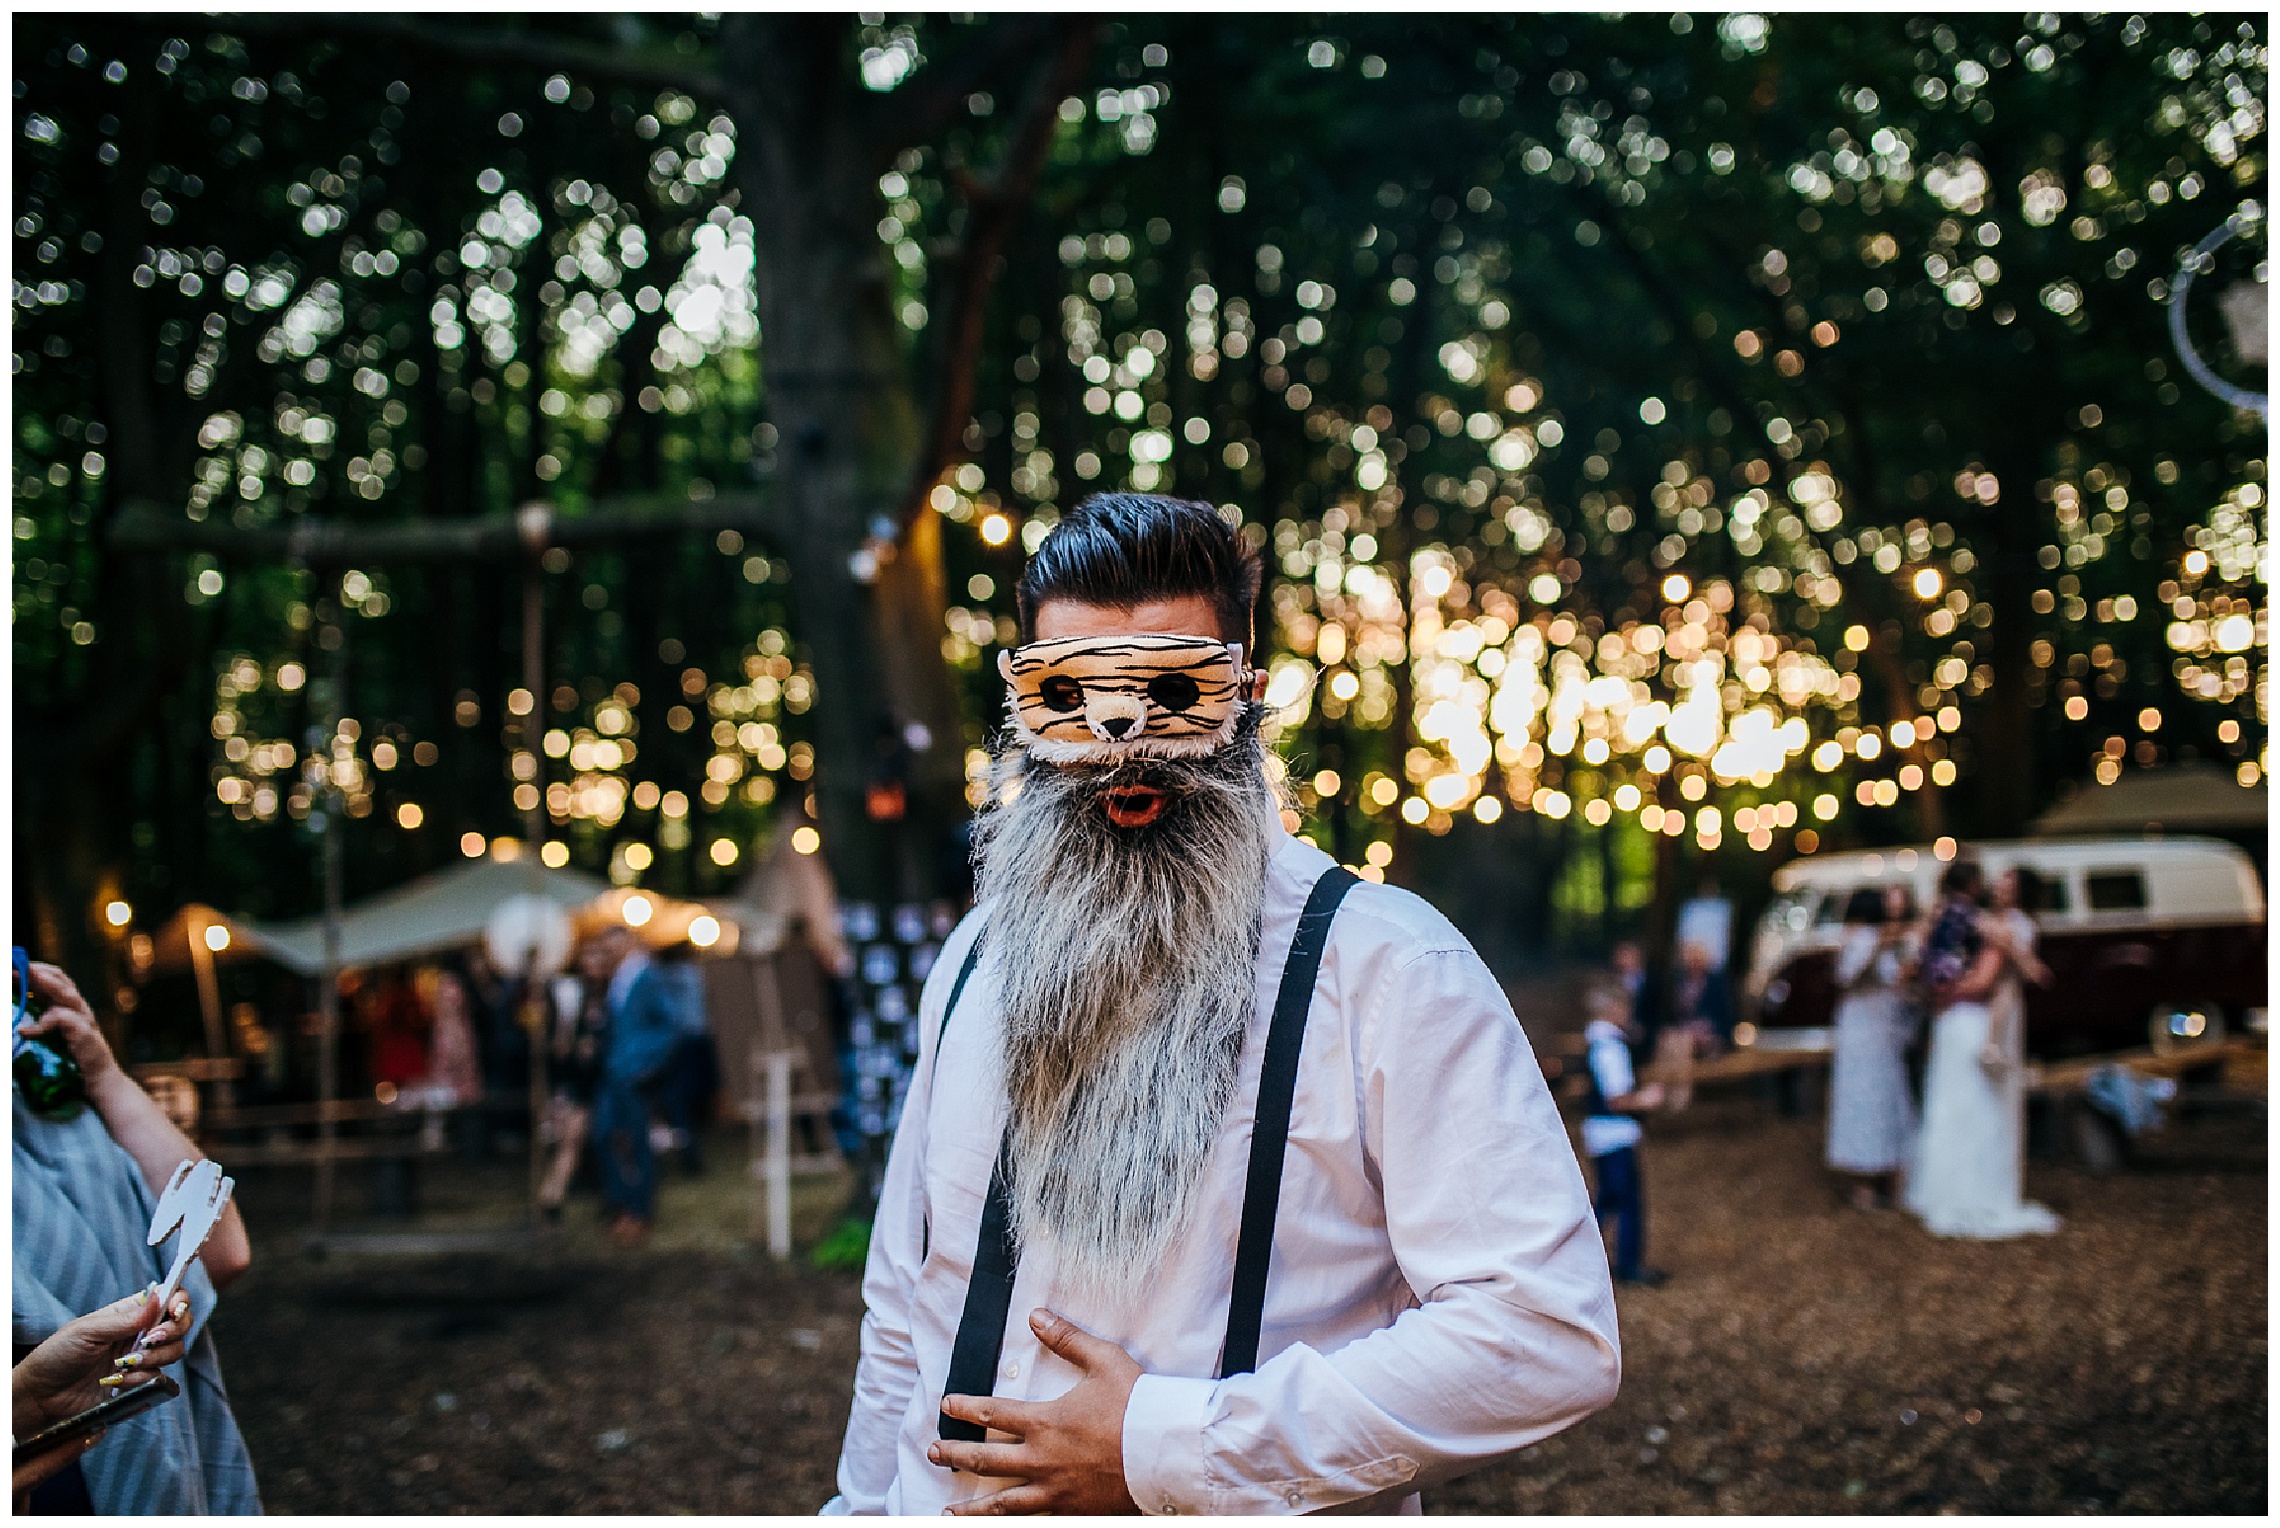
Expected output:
(989, 1292)
(989, 1298)
(1270, 1129)
(958, 990)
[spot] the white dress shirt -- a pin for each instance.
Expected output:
(1438, 1294)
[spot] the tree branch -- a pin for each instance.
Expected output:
(144, 526)
(995, 209)
(933, 100)
(513, 49)
(1865, 592)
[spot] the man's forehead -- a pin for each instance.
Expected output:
(1143, 650)
(1179, 615)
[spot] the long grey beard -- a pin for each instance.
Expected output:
(1129, 959)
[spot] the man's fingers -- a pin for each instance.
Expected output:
(1014, 1499)
(1071, 1341)
(991, 1411)
(1005, 1460)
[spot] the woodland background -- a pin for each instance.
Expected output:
(1680, 442)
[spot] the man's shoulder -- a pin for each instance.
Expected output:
(963, 943)
(1373, 914)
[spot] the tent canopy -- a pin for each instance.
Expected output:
(786, 885)
(2187, 798)
(170, 943)
(434, 914)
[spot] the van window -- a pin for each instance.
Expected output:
(2115, 890)
(1833, 907)
(1790, 912)
(2054, 893)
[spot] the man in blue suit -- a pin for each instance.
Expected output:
(644, 1033)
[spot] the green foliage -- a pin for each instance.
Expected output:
(1829, 348)
(1858, 318)
(845, 1246)
(340, 298)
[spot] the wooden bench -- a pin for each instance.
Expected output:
(2067, 1079)
(1761, 1061)
(2058, 1093)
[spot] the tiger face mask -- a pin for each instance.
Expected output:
(1115, 699)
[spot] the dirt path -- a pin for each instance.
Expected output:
(1804, 1358)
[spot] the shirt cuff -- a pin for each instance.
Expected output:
(1163, 1444)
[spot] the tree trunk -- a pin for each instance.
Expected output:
(2005, 765)
(839, 392)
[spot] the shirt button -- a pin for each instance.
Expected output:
(1170, 1510)
(1012, 1369)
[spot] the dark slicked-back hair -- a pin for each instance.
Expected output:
(1125, 549)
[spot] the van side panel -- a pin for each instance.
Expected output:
(2106, 984)
(2108, 981)
(1802, 994)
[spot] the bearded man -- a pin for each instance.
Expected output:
(1259, 1152)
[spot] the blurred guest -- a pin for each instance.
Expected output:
(453, 1079)
(1707, 919)
(693, 1077)
(1872, 1119)
(1612, 1101)
(504, 1044)
(83, 1193)
(1701, 1005)
(454, 1068)
(1640, 990)
(76, 1370)
(643, 1034)
(396, 1026)
(1966, 1176)
(1953, 933)
(1669, 1051)
(576, 1042)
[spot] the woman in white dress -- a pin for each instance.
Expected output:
(1872, 1120)
(1970, 1153)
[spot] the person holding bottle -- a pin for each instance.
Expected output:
(86, 1180)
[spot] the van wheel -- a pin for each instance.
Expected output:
(2177, 1027)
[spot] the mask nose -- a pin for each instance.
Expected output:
(1116, 718)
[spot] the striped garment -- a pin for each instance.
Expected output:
(82, 1213)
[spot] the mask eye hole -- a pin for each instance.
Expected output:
(1173, 692)
(1061, 693)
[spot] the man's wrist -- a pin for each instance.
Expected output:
(1164, 1421)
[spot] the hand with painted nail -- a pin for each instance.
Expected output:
(1069, 1452)
(86, 1359)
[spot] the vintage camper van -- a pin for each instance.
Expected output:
(2154, 941)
